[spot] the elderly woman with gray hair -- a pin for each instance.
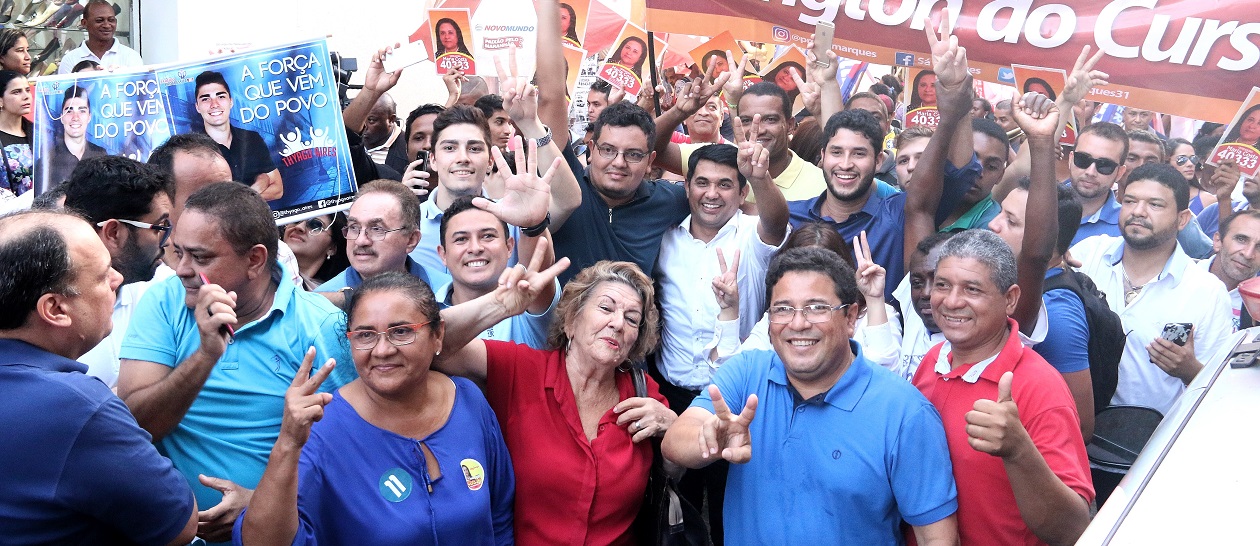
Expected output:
(569, 414)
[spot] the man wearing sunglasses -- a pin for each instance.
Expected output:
(130, 205)
(1103, 156)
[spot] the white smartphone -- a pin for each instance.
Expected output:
(407, 55)
(824, 35)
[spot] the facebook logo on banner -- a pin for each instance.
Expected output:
(904, 59)
(1006, 75)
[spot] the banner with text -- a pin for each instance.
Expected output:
(274, 113)
(1193, 59)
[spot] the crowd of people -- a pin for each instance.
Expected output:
(846, 327)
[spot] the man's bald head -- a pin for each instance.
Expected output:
(381, 121)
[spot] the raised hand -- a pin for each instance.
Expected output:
(727, 433)
(303, 403)
(870, 275)
(1223, 181)
(949, 60)
(753, 159)
(416, 178)
(375, 78)
(726, 285)
(993, 426)
(733, 85)
(811, 93)
(520, 284)
(696, 93)
(454, 81)
(520, 98)
(1083, 77)
(818, 73)
(1037, 115)
(526, 196)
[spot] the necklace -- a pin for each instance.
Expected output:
(1131, 292)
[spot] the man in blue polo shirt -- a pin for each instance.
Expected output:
(77, 467)
(843, 450)
(622, 215)
(211, 351)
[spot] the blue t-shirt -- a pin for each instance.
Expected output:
(75, 466)
(1066, 346)
(844, 467)
(358, 483)
(630, 232)
(230, 428)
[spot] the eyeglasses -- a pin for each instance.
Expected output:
(1105, 166)
(375, 233)
(609, 152)
(1183, 159)
(163, 227)
(814, 313)
(315, 226)
(403, 334)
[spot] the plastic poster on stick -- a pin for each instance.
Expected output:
(922, 107)
(627, 60)
(1049, 82)
(1241, 142)
(714, 52)
(452, 32)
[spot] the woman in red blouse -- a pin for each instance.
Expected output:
(569, 415)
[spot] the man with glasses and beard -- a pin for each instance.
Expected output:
(130, 205)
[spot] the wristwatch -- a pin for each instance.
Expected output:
(534, 231)
(545, 139)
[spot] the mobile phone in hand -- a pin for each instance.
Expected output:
(824, 35)
(423, 157)
(1177, 332)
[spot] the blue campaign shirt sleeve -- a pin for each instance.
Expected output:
(115, 474)
(958, 181)
(1210, 218)
(1067, 344)
(1194, 241)
(922, 475)
(152, 333)
(332, 343)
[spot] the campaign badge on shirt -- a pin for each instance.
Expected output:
(474, 474)
(396, 485)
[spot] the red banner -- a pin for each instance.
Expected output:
(1192, 58)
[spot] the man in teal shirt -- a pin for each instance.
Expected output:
(210, 352)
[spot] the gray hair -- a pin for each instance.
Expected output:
(987, 248)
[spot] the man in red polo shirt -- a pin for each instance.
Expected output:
(1011, 423)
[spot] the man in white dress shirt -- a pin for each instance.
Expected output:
(100, 22)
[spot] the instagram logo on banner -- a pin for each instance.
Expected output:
(781, 34)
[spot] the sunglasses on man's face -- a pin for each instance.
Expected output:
(1104, 166)
(1183, 159)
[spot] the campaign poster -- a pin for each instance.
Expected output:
(1049, 82)
(451, 31)
(779, 71)
(277, 119)
(627, 60)
(1241, 141)
(714, 52)
(92, 114)
(573, 17)
(922, 107)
